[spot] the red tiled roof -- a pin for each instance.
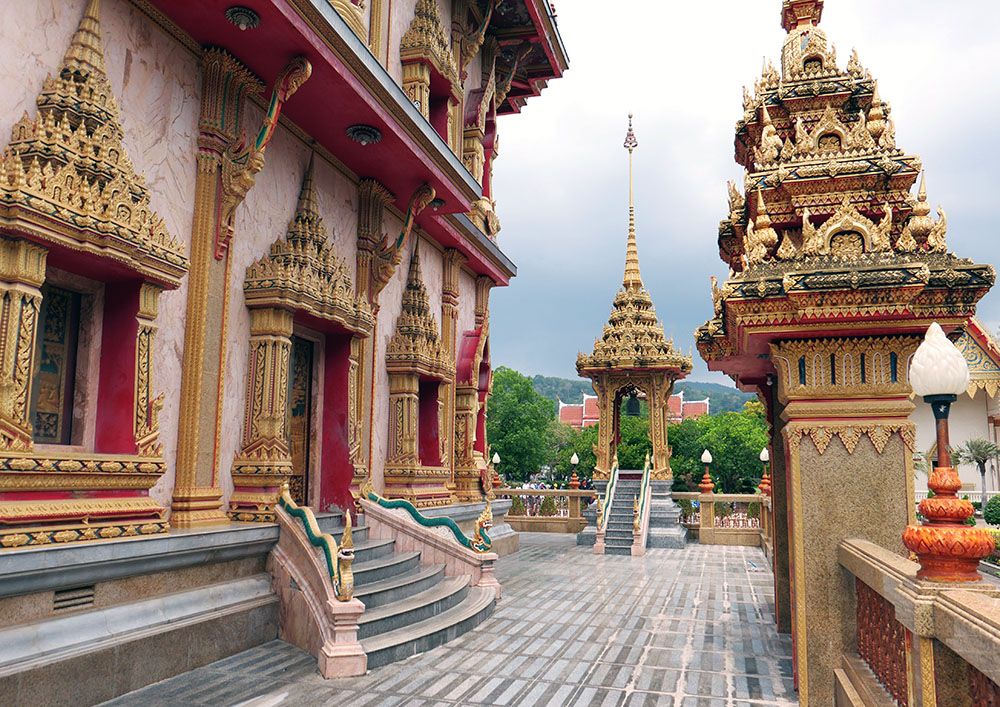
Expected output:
(571, 415)
(675, 404)
(591, 411)
(695, 409)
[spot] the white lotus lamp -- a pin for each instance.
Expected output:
(706, 457)
(765, 456)
(496, 458)
(938, 367)
(939, 373)
(574, 460)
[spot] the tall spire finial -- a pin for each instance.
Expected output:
(632, 277)
(85, 52)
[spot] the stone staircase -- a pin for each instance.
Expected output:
(410, 607)
(621, 515)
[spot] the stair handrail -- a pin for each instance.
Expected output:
(338, 559)
(479, 542)
(640, 521)
(609, 497)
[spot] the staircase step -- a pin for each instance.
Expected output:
(333, 523)
(385, 567)
(423, 605)
(430, 633)
(372, 549)
(612, 550)
(396, 588)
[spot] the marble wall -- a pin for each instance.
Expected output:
(156, 81)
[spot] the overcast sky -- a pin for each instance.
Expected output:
(561, 178)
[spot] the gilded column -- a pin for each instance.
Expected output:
(226, 172)
(147, 405)
(264, 461)
(22, 272)
(404, 401)
(453, 261)
(849, 448)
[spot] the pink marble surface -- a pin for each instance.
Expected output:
(155, 81)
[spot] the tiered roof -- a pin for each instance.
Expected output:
(633, 338)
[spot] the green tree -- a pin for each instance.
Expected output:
(734, 439)
(977, 452)
(519, 425)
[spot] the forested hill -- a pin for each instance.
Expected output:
(724, 398)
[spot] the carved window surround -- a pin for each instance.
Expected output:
(419, 368)
(70, 197)
(431, 76)
(353, 12)
(300, 280)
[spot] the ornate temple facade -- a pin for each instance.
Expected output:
(632, 356)
(837, 268)
(244, 247)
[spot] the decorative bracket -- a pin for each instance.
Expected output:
(241, 162)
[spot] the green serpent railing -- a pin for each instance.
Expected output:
(338, 560)
(480, 541)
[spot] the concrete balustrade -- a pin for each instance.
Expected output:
(569, 503)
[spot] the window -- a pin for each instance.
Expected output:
(55, 366)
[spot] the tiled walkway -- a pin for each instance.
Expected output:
(690, 627)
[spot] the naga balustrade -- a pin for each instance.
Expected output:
(640, 521)
(727, 518)
(568, 518)
(916, 642)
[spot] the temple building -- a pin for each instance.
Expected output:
(247, 255)
(837, 270)
(587, 413)
(631, 359)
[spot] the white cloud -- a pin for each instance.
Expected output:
(561, 178)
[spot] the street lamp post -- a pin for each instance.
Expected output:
(948, 550)
(765, 479)
(706, 484)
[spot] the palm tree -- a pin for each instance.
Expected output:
(978, 452)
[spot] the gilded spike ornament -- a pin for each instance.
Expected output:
(416, 344)
(633, 355)
(66, 179)
(304, 272)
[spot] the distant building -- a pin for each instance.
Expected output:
(586, 414)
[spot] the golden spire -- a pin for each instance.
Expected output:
(307, 224)
(85, 52)
(632, 277)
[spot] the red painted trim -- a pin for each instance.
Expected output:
(116, 383)
(336, 471)
(428, 426)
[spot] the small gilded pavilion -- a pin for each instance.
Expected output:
(633, 356)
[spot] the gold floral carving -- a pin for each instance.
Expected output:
(423, 46)
(66, 179)
(850, 434)
(416, 345)
(303, 272)
(353, 12)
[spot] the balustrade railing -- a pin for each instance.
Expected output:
(529, 511)
(726, 518)
(881, 641)
(919, 640)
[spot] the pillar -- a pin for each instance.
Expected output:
(779, 512)
(197, 497)
(453, 261)
(22, 272)
(264, 461)
(848, 445)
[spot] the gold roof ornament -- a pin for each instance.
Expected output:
(425, 40)
(633, 336)
(415, 346)
(303, 271)
(66, 179)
